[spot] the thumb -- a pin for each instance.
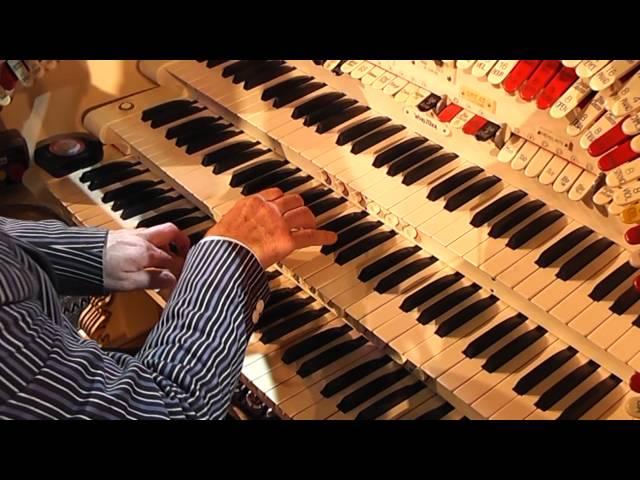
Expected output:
(165, 234)
(152, 279)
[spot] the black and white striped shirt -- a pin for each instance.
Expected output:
(186, 369)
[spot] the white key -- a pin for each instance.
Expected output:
(482, 67)
(588, 68)
(627, 346)
(538, 163)
(511, 148)
(614, 327)
(552, 170)
(582, 186)
(567, 178)
(570, 99)
(501, 70)
(613, 71)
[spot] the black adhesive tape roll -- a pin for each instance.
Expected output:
(64, 154)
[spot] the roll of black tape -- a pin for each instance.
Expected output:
(64, 154)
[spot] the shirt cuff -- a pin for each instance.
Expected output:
(238, 242)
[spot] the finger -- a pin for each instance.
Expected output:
(300, 218)
(157, 258)
(151, 279)
(308, 238)
(287, 203)
(270, 194)
(165, 234)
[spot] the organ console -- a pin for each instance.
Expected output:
(486, 260)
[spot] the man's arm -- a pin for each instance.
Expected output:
(74, 253)
(187, 368)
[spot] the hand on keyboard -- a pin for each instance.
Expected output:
(272, 225)
(142, 259)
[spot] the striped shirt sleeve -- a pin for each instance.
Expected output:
(187, 368)
(75, 253)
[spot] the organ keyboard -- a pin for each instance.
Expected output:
(478, 245)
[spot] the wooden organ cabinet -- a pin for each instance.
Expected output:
(486, 264)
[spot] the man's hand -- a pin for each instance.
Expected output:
(272, 225)
(142, 259)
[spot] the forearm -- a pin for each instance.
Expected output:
(74, 253)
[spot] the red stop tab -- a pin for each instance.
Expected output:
(632, 236)
(517, 76)
(616, 157)
(8, 79)
(450, 111)
(539, 79)
(473, 125)
(605, 142)
(556, 87)
(634, 383)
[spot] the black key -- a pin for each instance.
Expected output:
(247, 73)
(350, 235)
(395, 152)
(609, 283)
(580, 260)
(472, 191)
(281, 87)
(280, 294)
(449, 184)
(499, 205)
(383, 264)
(534, 228)
(375, 138)
(197, 236)
(139, 196)
(429, 103)
(115, 177)
(465, 315)
(293, 182)
(291, 324)
(106, 169)
(562, 246)
(272, 275)
(515, 218)
(412, 159)
(389, 401)
(188, 222)
(360, 129)
(312, 343)
(189, 126)
(328, 111)
(230, 163)
(297, 93)
(429, 291)
(353, 375)
(544, 370)
(201, 133)
(340, 118)
(277, 312)
(238, 66)
(255, 170)
(175, 115)
(374, 387)
(427, 168)
(267, 75)
(446, 303)
(129, 189)
(636, 322)
(590, 398)
(487, 132)
(314, 194)
(363, 246)
(153, 112)
(625, 301)
(513, 348)
(407, 271)
(152, 204)
(493, 335)
(563, 386)
(341, 222)
(268, 180)
(330, 355)
(215, 63)
(210, 141)
(227, 152)
(315, 104)
(437, 413)
(165, 217)
(325, 205)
